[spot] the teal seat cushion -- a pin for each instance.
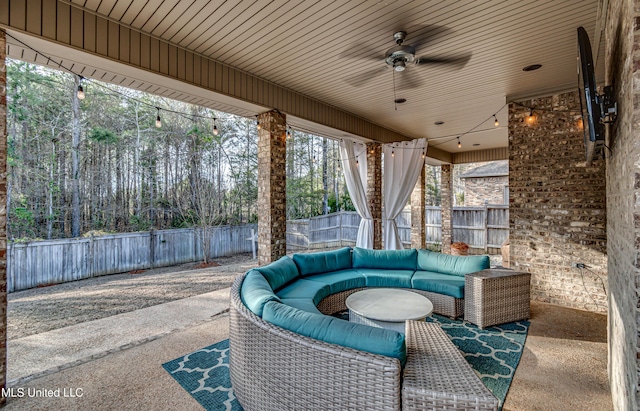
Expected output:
(323, 262)
(337, 331)
(385, 259)
(304, 288)
(386, 278)
(304, 304)
(451, 264)
(256, 292)
(341, 280)
(279, 273)
(445, 284)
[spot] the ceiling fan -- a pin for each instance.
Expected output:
(401, 56)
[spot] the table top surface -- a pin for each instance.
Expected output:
(389, 304)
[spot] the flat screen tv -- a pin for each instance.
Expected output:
(589, 100)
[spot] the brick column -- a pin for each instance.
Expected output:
(272, 188)
(3, 213)
(446, 204)
(374, 190)
(418, 203)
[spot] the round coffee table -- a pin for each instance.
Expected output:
(387, 307)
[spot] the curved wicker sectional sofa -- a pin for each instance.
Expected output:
(288, 353)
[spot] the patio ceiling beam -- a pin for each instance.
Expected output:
(85, 31)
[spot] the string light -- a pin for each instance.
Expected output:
(496, 122)
(288, 132)
(393, 153)
(215, 128)
(423, 154)
(80, 93)
(530, 118)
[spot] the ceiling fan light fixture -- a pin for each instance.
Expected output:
(399, 65)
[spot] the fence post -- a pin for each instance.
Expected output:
(340, 229)
(90, 268)
(486, 226)
(152, 247)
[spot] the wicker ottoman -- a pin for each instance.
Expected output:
(496, 296)
(436, 375)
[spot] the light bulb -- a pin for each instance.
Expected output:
(393, 153)
(158, 121)
(80, 93)
(399, 65)
(459, 144)
(496, 123)
(531, 118)
(215, 130)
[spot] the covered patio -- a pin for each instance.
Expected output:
(475, 96)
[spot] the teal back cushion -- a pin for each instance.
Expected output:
(279, 273)
(337, 331)
(256, 292)
(451, 264)
(323, 262)
(392, 259)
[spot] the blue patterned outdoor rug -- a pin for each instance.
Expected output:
(494, 353)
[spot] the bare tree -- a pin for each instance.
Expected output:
(75, 160)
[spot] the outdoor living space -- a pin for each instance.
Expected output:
(382, 93)
(563, 363)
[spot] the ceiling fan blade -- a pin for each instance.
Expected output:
(423, 35)
(360, 79)
(457, 62)
(362, 52)
(407, 81)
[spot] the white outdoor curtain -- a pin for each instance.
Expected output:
(402, 165)
(354, 164)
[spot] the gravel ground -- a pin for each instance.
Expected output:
(43, 309)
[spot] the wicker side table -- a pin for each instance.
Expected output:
(496, 296)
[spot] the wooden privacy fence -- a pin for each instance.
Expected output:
(55, 261)
(482, 228)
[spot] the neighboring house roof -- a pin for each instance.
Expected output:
(492, 169)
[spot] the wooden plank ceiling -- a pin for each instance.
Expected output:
(333, 51)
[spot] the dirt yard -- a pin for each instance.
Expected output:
(49, 308)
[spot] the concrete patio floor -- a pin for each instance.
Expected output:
(563, 365)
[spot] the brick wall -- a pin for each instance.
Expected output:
(481, 189)
(418, 216)
(446, 202)
(374, 190)
(557, 210)
(3, 214)
(272, 184)
(622, 37)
